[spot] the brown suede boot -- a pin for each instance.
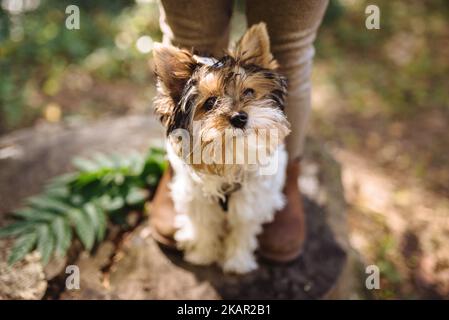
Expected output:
(282, 240)
(162, 212)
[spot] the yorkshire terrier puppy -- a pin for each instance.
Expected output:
(225, 128)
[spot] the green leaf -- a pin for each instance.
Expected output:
(84, 164)
(58, 192)
(102, 224)
(45, 243)
(84, 228)
(117, 160)
(35, 215)
(16, 228)
(97, 218)
(22, 246)
(119, 178)
(45, 202)
(152, 180)
(136, 195)
(63, 235)
(103, 161)
(63, 180)
(156, 155)
(112, 204)
(124, 162)
(107, 178)
(136, 164)
(86, 178)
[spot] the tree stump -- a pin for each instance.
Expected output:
(132, 266)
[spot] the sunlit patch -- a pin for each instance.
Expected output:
(144, 44)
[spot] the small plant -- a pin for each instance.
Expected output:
(80, 204)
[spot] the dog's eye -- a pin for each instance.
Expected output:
(248, 93)
(209, 103)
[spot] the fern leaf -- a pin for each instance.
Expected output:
(152, 180)
(85, 165)
(112, 204)
(22, 246)
(45, 243)
(117, 160)
(32, 214)
(63, 236)
(119, 178)
(16, 228)
(45, 202)
(137, 163)
(84, 228)
(102, 224)
(58, 192)
(156, 155)
(136, 196)
(63, 180)
(97, 218)
(103, 161)
(85, 178)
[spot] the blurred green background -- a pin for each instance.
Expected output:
(381, 103)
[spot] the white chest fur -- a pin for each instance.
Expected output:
(206, 232)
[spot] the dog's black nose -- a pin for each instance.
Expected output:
(239, 119)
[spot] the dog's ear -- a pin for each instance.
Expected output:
(173, 68)
(254, 48)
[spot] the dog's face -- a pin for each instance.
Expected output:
(240, 93)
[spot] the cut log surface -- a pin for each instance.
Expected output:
(132, 265)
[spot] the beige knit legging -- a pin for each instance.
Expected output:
(292, 26)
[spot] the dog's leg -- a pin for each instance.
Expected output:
(198, 225)
(249, 209)
(199, 232)
(244, 225)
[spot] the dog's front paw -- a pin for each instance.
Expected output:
(240, 264)
(200, 258)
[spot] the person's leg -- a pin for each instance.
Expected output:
(292, 26)
(204, 27)
(196, 24)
